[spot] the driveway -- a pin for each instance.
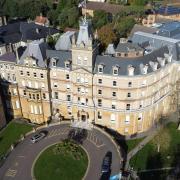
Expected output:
(19, 163)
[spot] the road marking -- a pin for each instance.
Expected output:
(95, 140)
(21, 156)
(57, 132)
(11, 173)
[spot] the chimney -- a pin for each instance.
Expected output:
(153, 65)
(143, 68)
(161, 61)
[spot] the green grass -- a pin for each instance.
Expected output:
(60, 166)
(11, 134)
(133, 143)
(149, 158)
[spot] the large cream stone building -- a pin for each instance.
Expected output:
(126, 93)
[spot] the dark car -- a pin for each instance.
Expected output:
(38, 137)
(106, 165)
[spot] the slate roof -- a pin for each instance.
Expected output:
(141, 28)
(23, 31)
(110, 8)
(123, 63)
(168, 10)
(10, 57)
(37, 50)
(157, 42)
(65, 41)
(60, 56)
(126, 47)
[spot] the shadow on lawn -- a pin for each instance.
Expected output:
(153, 162)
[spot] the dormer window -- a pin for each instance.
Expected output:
(100, 68)
(130, 70)
(115, 70)
(67, 64)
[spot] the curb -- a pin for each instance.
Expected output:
(32, 168)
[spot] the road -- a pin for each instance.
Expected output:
(19, 163)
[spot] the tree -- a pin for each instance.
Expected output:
(100, 19)
(162, 140)
(124, 26)
(106, 35)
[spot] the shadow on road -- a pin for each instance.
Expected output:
(78, 135)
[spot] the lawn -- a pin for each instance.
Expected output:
(150, 158)
(11, 134)
(133, 143)
(61, 161)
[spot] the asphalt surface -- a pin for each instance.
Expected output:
(19, 163)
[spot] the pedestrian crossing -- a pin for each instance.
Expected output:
(91, 136)
(57, 132)
(11, 173)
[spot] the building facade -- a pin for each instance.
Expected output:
(128, 94)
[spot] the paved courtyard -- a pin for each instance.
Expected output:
(18, 165)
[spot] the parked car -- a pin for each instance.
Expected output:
(106, 165)
(38, 137)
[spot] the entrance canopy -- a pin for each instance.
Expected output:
(81, 124)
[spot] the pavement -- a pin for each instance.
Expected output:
(19, 163)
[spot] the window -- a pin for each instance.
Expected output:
(68, 86)
(40, 110)
(86, 80)
(42, 75)
(100, 81)
(113, 117)
(144, 83)
(78, 80)
(28, 73)
(29, 96)
(85, 61)
(99, 102)
(114, 83)
(24, 92)
(56, 95)
(129, 84)
(79, 99)
(115, 70)
(55, 85)
(128, 94)
(14, 77)
(86, 101)
(114, 94)
(35, 110)
(113, 105)
(29, 83)
(79, 60)
(99, 115)
(67, 65)
(17, 104)
(34, 96)
(100, 69)
(67, 76)
(99, 91)
(54, 74)
(127, 120)
(36, 85)
(14, 91)
(128, 106)
(68, 97)
(21, 73)
(42, 85)
(38, 96)
(54, 63)
(140, 117)
(32, 109)
(82, 80)
(79, 89)
(44, 96)
(35, 74)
